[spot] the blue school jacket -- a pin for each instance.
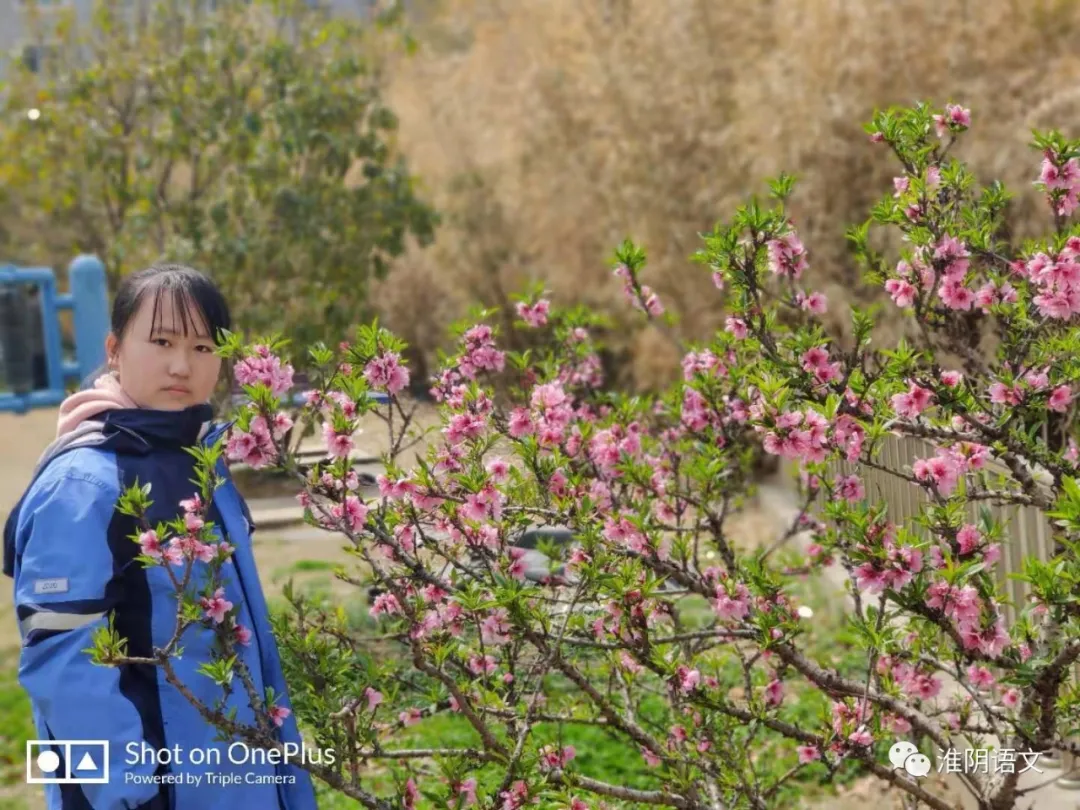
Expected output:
(70, 553)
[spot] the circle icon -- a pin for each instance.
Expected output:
(900, 751)
(917, 765)
(48, 761)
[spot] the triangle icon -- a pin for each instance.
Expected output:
(86, 763)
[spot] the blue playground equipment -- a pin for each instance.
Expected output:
(31, 353)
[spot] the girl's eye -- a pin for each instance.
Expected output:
(206, 349)
(161, 341)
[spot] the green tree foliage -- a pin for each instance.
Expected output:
(248, 138)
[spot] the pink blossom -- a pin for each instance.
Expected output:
(955, 118)
(955, 295)
(850, 488)
(774, 693)
(651, 759)
(1011, 698)
(787, 256)
(338, 445)
(898, 725)
(815, 302)
(265, 368)
(174, 554)
(1060, 399)
(732, 607)
(951, 378)
(980, 677)
(468, 790)
(410, 717)
(374, 698)
(482, 665)
(902, 292)
(384, 603)
(737, 327)
(243, 634)
(150, 544)
(1001, 394)
(968, 538)
(278, 715)
(808, 754)
(535, 315)
(861, 737)
(910, 404)
(942, 471)
(386, 372)
(689, 679)
(216, 606)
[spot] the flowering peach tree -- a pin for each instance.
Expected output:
(654, 624)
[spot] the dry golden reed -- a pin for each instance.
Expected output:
(547, 130)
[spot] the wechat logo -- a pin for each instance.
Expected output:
(905, 755)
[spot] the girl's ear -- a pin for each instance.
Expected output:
(112, 345)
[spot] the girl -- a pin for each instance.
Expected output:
(73, 561)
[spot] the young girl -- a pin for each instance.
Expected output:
(73, 560)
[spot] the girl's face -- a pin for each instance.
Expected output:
(159, 366)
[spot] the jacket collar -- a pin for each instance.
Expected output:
(161, 429)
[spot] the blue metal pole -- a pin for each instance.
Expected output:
(90, 299)
(54, 350)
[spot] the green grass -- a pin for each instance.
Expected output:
(302, 567)
(16, 727)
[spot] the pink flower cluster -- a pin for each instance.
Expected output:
(255, 447)
(188, 546)
(386, 373)
(555, 758)
(816, 361)
(796, 435)
(478, 353)
(815, 302)
(1056, 280)
(953, 258)
(217, 606)
(1060, 179)
(787, 256)
(943, 470)
(954, 119)
(913, 402)
(646, 300)
(549, 416)
(964, 606)
(265, 367)
(849, 725)
(894, 569)
(913, 682)
(536, 314)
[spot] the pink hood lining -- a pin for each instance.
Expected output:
(106, 395)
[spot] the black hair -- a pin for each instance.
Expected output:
(186, 285)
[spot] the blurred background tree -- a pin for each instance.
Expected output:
(250, 139)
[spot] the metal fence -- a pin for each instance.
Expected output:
(1026, 530)
(33, 368)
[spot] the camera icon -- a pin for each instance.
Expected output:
(67, 762)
